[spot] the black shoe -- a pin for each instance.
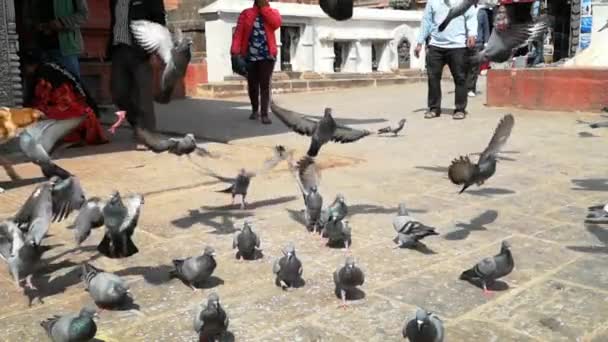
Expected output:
(254, 116)
(266, 120)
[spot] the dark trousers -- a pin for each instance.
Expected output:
(259, 75)
(436, 59)
(132, 84)
(472, 69)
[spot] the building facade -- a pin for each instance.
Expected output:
(10, 80)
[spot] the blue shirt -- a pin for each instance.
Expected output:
(455, 35)
(258, 44)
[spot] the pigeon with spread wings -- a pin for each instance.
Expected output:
(19, 252)
(463, 172)
(176, 54)
(460, 9)
(158, 143)
(321, 132)
(307, 176)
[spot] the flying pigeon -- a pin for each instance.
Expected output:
(90, 216)
(338, 232)
(247, 242)
(597, 214)
(288, 269)
(106, 289)
(395, 131)
(409, 230)
(212, 321)
(120, 219)
(240, 184)
(21, 255)
(178, 146)
(71, 327)
(307, 177)
(491, 268)
(425, 327)
(38, 141)
(321, 132)
(347, 278)
(339, 10)
(156, 38)
(194, 271)
(460, 9)
(463, 172)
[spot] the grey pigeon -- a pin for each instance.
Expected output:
(339, 10)
(603, 27)
(247, 242)
(212, 321)
(106, 289)
(307, 177)
(338, 210)
(338, 233)
(176, 55)
(395, 131)
(409, 230)
(491, 268)
(72, 327)
(599, 124)
(178, 146)
(425, 327)
(195, 271)
(597, 214)
(321, 132)
(38, 141)
(89, 216)
(21, 255)
(120, 219)
(348, 278)
(460, 9)
(463, 172)
(288, 269)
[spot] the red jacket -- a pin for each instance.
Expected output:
(240, 39)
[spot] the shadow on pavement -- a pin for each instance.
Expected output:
(440, 169)
(207, 218)
(476, 224)
(487, 192)
(601, 234)
(591, 184)
(155, 275)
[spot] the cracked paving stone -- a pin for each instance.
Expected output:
(481, 331)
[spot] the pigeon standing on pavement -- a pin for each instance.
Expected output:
(247, 242)
(339, 10)
(597, 214)
(321, 132)
(106, 289)
(211, 322)
(120, 218)
(337, 211)
(409, 230)
(460, 9)
(338, 233)
(348, 278)
(195, 271)
(394, 130)
(288, 269)
(491, 268)
(21, 255)
(425, 327)
(176, 55)
(463, 172)
(72, 327)
(178, 146)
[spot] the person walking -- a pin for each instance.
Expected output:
(57, 26)
(483, 34)
(254, 41)
(447, 47)
(131, 75)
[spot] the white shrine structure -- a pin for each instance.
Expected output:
(373, 40)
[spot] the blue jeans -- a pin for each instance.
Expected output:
(70, 63)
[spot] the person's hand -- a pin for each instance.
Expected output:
(471, 42)
(417, 50)
(261, 3)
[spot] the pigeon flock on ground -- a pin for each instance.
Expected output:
(22, 235)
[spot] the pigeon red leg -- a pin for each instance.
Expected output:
(487, 292)
(343, 304)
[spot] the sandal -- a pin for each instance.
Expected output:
(430, 115)
(459, 115)
(266, 120)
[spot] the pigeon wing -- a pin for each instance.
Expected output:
(90, 214)
(501, 134)
(24, 215)
(276, 267)
(67, 196)
(153, 37)
(277, 156)
(220, 178)
(461, 170)
(48, 132)
(308, 173)
(294, 120)
(133, 205)
(345, 134)
(518, 35)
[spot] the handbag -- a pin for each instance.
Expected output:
(240, 65)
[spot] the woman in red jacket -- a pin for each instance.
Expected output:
(254, 41)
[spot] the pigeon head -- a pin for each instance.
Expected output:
(242, 172)
(54, 180)
(402, 122)
(290, 250)
(209, 251)
(350, 262)
(421, 317)
(505, 245)
(327, 112)
(340, 198)
(115, 197)
(88, 312)
(247, 226)
(313, 188)
(402, 209)
(189, 137)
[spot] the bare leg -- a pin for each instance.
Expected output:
(343, 304)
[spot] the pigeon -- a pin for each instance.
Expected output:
(338, 232)
(463, 172)
(390, 129)
(106, 289)
(90, 216)
(307, 177)
(21, 255)
(321, 132)
(597, 214)
(194, 271)
(240, 184)
(120, 219)
(156, 38)
(288, 269)
(178, 146)
(339, 10)
(247, 242)
(38, 140)
(212, 321)
(338, 210)
(425, 327)
(599, 124)
(460, 9)
(409, 230)
(347, 278)
(603, 27)
(72, 327)
(491, 268)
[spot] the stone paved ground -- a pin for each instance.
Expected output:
(537, 200)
